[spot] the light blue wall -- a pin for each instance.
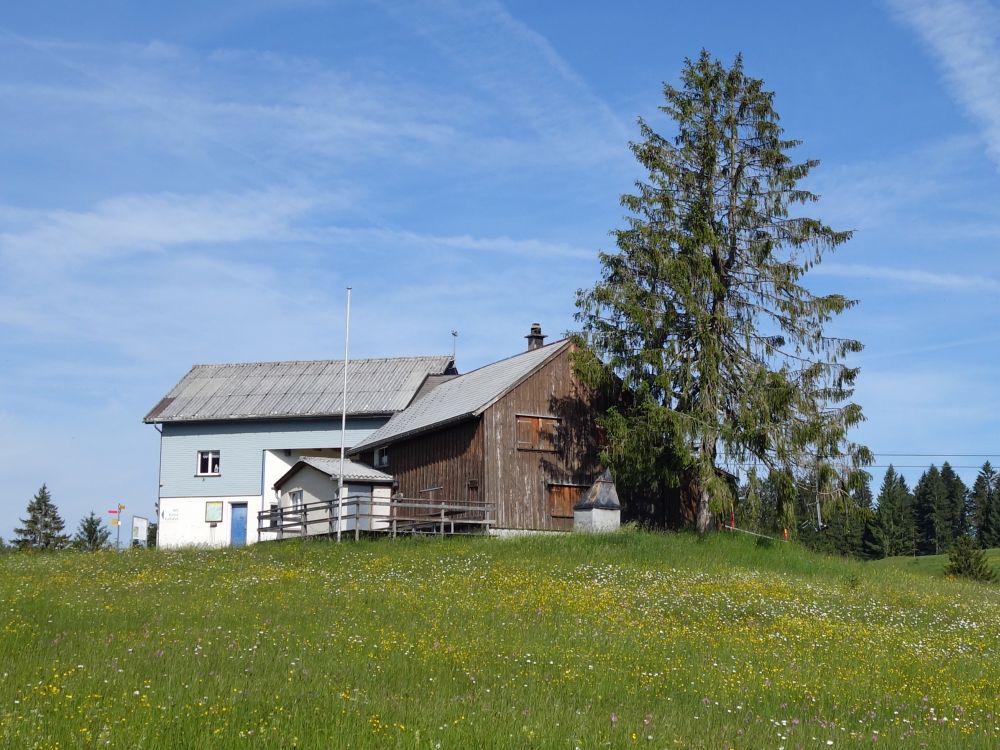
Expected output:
(242, 445)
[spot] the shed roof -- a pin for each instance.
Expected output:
(271, 390)
(602, 494)
(353, 470)
(466, 396)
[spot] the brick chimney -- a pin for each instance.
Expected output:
(536, 338)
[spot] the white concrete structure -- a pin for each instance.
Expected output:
(599, 510)
(597, 520)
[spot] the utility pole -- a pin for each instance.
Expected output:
(343, 416)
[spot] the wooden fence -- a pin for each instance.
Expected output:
(361, 514)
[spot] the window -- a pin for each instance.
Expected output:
(562, 498)
(209, 463)
(536, 433)
(295, 500)
(381, 457)
(273, 522)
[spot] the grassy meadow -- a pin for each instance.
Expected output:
(627, 640)
(932, 565)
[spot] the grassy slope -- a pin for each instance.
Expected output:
(659, 641)
(933, 565)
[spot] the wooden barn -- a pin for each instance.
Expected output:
(517, 435)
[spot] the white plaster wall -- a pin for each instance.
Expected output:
(182, 521)
(597, 520)
(380, 505)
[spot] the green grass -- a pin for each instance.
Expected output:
(629, 640)
(933, 565)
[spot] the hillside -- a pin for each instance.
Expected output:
(932, 565)
(634, 639)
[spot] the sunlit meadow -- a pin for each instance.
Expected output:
(628, 640)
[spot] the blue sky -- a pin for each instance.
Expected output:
(188, 185)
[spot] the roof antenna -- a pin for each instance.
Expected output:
(454, 344)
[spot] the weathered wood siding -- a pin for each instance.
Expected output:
(518, 481)
(450, 458)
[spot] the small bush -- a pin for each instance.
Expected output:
(966, 560)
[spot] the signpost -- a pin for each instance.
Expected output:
(117, 523)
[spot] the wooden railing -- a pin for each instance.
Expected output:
(361, 514)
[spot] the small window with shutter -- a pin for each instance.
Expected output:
(536, 433)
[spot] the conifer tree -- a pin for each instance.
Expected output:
(985, 507)
(701, 317)
(932, 513)
(966, 560)
(892, 530)
(957, 494)
(839, 529)
(42, 529)
(92, 535)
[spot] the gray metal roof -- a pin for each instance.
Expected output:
(269, 390)
(353, 470)
(466, 396)
(602, 494)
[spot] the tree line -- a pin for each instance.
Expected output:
(928, 519)
(44, 529)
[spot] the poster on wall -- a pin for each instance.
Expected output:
(213, 511)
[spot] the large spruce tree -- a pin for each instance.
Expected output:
(932, 513)
(43, 528)
(986, 507)
(891, 532)
(958, 495)
(701, 317)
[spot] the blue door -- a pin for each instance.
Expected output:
(238, 525)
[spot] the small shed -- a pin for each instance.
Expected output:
(306, 496)
(598, 510)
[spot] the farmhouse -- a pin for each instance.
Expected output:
(250, 452)
(229, 432)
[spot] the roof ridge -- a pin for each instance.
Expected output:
(315, 361)
(512, 356)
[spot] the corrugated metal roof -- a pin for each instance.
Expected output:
(269, 390)
(465, 396)
(353, 471)
(432, 382)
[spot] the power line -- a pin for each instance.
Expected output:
(913, 466)
(936, 455)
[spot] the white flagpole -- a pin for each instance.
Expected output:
(343, 417)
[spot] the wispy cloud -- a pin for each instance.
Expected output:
(964, 36)
(142, 223)
(509, 100)
(977, 342)
(911, 276)
(401, 238)
(519, 68)
(869, 195)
